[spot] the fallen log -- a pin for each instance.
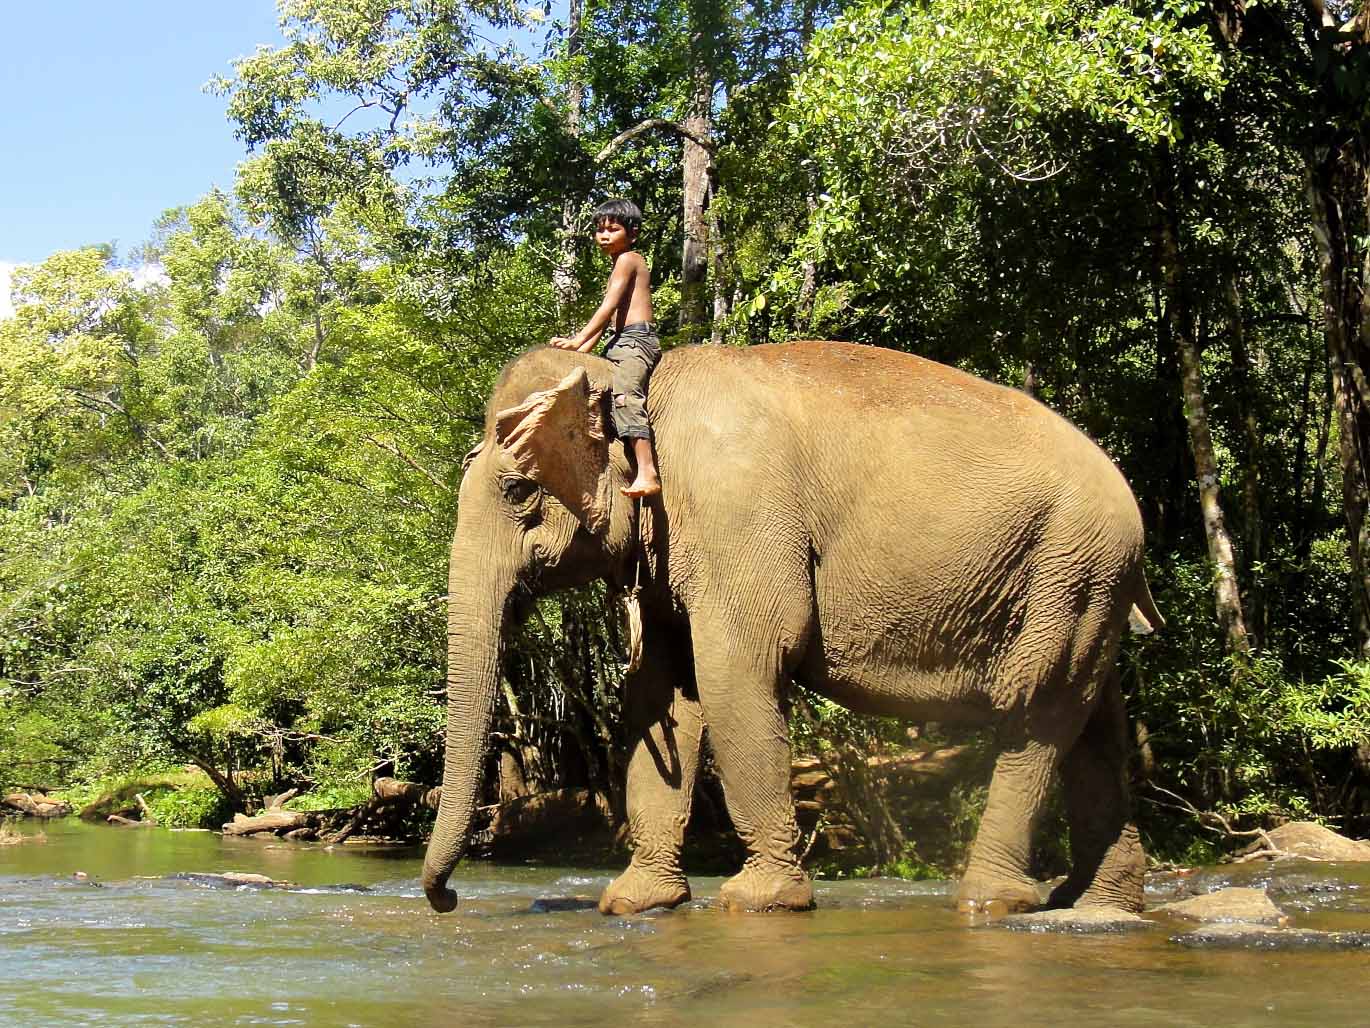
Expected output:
(274, 821)
(393, 789)
(391, 799)
(280, 799)
(148, 817)
(35, 804)
(128, 822)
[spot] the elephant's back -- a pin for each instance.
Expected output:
(858, 377)
(841, 414)
(864, 391)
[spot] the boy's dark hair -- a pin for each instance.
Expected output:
(625, 212)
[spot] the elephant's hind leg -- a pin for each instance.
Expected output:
(666, 729)
(996, 881)
(1107, 860)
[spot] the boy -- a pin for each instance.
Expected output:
(634, 348)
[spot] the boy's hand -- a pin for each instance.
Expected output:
(562, 343)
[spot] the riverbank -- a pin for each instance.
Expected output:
(921, 793)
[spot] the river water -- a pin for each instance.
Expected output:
(354, 943)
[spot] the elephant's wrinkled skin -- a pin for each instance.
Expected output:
(894, 534)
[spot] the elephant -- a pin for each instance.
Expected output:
(894, 534)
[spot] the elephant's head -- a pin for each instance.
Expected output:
(539, 509)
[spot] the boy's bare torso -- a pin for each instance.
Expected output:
(635, 305)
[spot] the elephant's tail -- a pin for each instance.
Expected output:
(1143, 618)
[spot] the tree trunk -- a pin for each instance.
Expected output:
(808, 286)
(694, 258)
(1226, 594)
(721, 306)
(1337, 186)
(1253, 520)
(564, 274)
(1319, 494)
(1301, 448)
(223, 782)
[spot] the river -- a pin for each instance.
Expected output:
(354, 943)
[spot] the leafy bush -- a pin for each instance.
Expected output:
(195, 806)
(331, 797)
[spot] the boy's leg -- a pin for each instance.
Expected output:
(633, 363)
(647, 482)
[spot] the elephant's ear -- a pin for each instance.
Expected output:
(556, 437)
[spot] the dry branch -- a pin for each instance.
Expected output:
(1214, 822)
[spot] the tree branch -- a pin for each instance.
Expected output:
(391, 448)
(95, 402)
(647, 125)
(1216, 823)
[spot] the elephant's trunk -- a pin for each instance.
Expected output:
(474, 625)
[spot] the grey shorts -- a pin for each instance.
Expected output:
(634, 352)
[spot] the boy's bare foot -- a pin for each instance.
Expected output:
(643, 485)
(647, 483)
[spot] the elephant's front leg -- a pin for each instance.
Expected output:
(665, 731)
(750, 741)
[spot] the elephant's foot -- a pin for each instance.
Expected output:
(765, 886)
(1103, 893)
(1116, 884)
(996, 897)
(639, 889)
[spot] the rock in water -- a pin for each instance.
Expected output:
(1074, 921)
(1255, 936)
(1247, 906)
(1306, 839)
(557, 904)
(230, 880)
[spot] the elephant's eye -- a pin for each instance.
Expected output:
(518, 491)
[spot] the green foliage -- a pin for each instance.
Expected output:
(909, 866)
(334, 797)
(1251, 740)
(226, 493)
(190, 807)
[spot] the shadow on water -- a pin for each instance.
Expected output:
(146, 939)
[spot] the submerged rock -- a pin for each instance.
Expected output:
(1247, 906)
(557, 904)
(1255, 936)
(1072, 920)
(229, 880)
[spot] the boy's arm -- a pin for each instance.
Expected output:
(619, 281)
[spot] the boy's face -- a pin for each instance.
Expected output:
(612, 238)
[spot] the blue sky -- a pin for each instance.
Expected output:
(102, 119)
